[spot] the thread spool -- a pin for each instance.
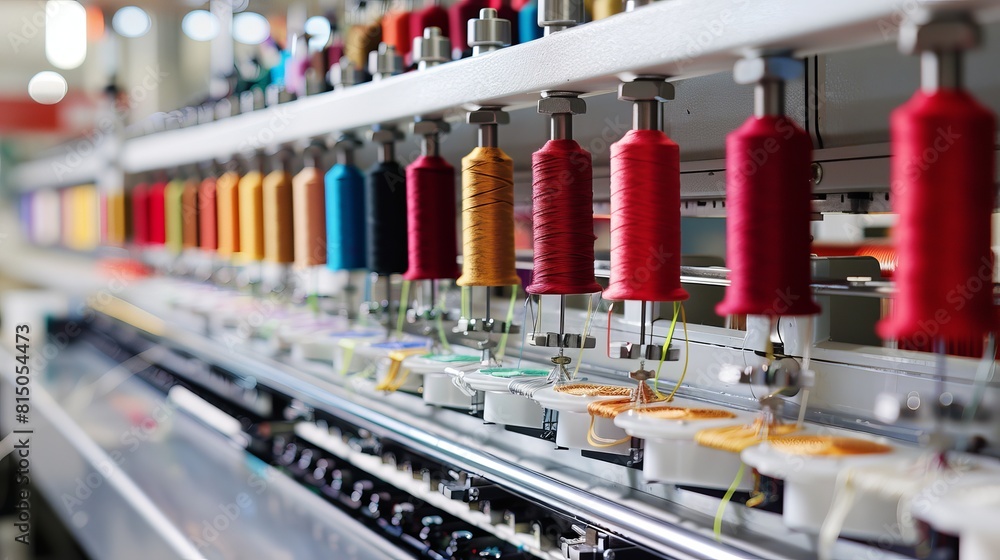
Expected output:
(279, 234)
(345, 211)
(430, 211)
(140, 214)
(251, 197)
(601, 9)
(156, 215)
(115, 225)
(562, 220)
(768, 201)
(227, 192)
(385, 209)
(645, 219)
(174, 220)
(189, 214)
(945, 270)
(208, 228)
(488, 219)
(309, 209)
(396, 30)
(361, 40)
(527, 22)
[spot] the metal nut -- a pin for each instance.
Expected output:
(754, 70)
(347, 142)
(487, 116)
(945, 32)
(559, 105)
(646, 90)
(385, 135)
(431, 126)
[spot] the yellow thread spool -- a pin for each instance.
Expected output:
(252, 216)
(309, 209)
(115, 212)
(601, 9)
(227, 206)
(361, 40)
(278, 231)
(84, 227)
(172, 195)
(189, 214)
(488, 219)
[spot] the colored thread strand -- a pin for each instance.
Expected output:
(208, 228)
(309, 209)
(562, 220)
(404, 305)
(502, 346)
(189, 214)
(251, 199)
(228, 210)
(645, 219)
(769, 203)
(717, 525)
(385, 206)
(345, 218)
(430, 222)
(942, 172)
(279, 234)
(488, 219)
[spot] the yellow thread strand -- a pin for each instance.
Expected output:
(735, 439)
(466, 311)
(687, 354)
(251, 197)
(438, 321)
(502, 347)
(392, 380)
(666, 348)
(488, 219)
(348, 345)
(279, 233)
(228, 213)
(597, 441)
(404, 304)
(593, 390)
(717, 526)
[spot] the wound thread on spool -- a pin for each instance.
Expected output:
(227, 194)
(140, 214)
(430, 16)
(251, 199)
(189, 214)
(396, 30)
(208, 228)
(345, 210)
(156, 213)
(645, 219)
(385, 207)
(309, 209)
(174, 220)
(768, 201)
(115, 221)
(279, 243)
(430, 210)
(562, 195)
(488, 219)
(361, 40)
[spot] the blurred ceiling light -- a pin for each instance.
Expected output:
(318, 28)
(47, 87)
(131, 22)
(250, 28)
(65, 33)
(200, 25)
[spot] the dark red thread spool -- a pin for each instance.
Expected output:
(431, 219)
(768, 208)
(645, 219)
(140, 214)
(562, 220)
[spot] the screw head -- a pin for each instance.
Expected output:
(939, 32)
(646, 90)
(431, 126)
(558, 105)
(488, 115)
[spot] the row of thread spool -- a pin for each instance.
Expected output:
(922, 295)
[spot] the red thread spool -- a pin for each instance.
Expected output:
(942, 189)
(645, 219)
(140, 214)
(768, 204)
(431, 219)
(157, 233)
(562, 199)
(431, 16)
(207, 217)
